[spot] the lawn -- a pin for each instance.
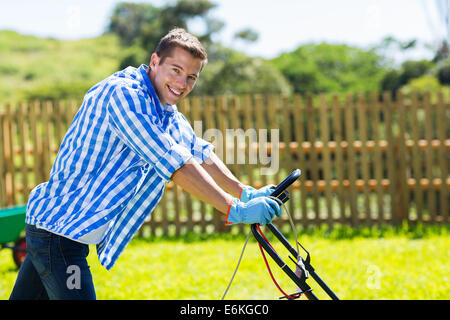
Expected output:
(391, 266)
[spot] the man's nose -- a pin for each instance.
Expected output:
(182, 81)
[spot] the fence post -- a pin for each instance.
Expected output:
(401, 159)
(3, 199)
(442, 120)
(10, 178)
(313, 158)
(351, 158)
(299, 110)
(326, 160)
(378, 160)
(363, 132)
(388, 111)
(337, 110)
(429, 156)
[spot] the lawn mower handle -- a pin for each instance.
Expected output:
(299, 281)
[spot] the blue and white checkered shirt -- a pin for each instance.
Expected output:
(113, 163)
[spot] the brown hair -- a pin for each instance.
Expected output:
(178, 37)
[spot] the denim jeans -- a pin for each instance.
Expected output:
(55, 268)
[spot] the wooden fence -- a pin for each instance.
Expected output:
(365, 158)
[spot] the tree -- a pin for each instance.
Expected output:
(394, 79)
(232, 72)
(438, 17)
(248, 35)
(140, 27)
(143, 24)
(443, 73)
(130, 19)
(326, 67)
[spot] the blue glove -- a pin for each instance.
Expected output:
(249, 193)
(259, 210)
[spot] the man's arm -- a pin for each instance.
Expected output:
(196, 180)
(193, 178)
(222, 175)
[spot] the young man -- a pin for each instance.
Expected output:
(125, 142)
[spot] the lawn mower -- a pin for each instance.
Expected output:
(12, 223)
(303, 269)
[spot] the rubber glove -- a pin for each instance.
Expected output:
(249, 193)
(259, 210)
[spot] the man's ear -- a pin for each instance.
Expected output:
(154, 60)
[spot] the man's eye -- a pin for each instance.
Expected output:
(176, 70)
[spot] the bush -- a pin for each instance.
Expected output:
(58, 91)
(443, 74)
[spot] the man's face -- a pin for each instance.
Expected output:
(175, 77)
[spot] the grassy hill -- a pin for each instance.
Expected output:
(32, 67)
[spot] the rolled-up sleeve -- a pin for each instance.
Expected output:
(137, 128)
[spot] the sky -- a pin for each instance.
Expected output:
(282, 25)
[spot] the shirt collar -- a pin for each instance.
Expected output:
(167, 107)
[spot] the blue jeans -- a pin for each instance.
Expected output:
(55, 268)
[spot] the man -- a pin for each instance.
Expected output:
(125, 142)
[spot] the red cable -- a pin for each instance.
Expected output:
(268, 267)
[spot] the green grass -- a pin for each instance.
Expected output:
(356, 263)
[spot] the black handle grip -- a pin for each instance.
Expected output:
(280, 192)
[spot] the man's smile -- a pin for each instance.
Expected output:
(174, 91)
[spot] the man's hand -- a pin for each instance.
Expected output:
(248, 193)
(260, 210)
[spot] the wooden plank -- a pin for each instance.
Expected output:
(59, 115)
(286, 162)
(416, 156)
(248, 125)
(403, 192)
(326, 158)
(378, 160)
(189, 203)
(298, 112)
(313, 160)
(233, 112)
(23, 147)
(429, 155)
(3, 198)
(365, 170)
(46, 109)
(260, 111)
(337, 111)
(442, 122)
(351, 157)
(388, 110)
(273, 107)
(35, 141)
(9, 156)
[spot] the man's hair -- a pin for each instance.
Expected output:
(178, 37)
